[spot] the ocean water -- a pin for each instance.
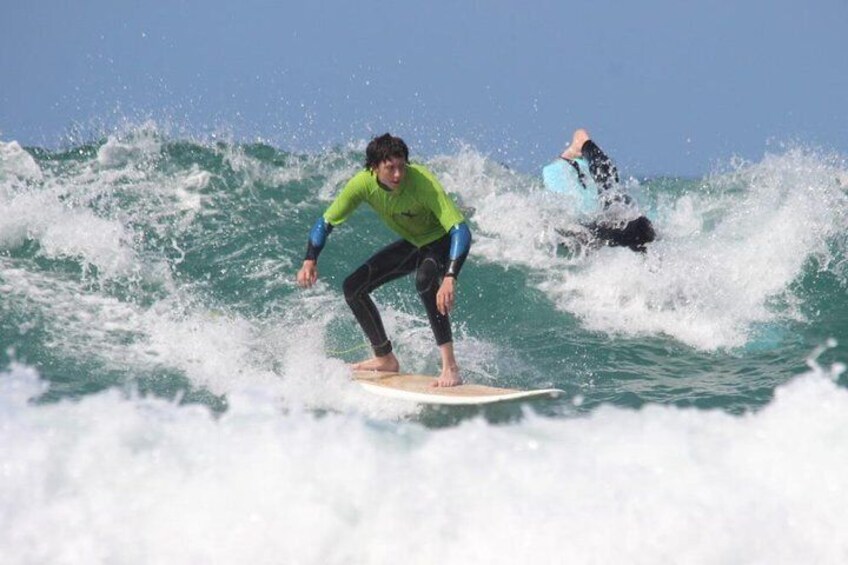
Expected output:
(168, 395)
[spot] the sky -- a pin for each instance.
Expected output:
(665, 87)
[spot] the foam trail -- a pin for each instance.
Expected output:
(728, 255)
(173, 484)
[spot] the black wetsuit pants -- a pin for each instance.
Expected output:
(636, 233)
(600, 166)
(394, 261)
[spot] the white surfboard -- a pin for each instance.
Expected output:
(418, 388)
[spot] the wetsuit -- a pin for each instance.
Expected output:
(601, 167)
(635, 233)
(435, 242)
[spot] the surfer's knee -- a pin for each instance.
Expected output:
(354, 285)
(427, 275)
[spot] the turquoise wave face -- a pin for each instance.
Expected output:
(168, 265)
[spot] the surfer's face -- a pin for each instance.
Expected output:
(391, 172)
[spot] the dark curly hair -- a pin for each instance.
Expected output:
(385, 147)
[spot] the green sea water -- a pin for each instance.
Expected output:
(727, 305)
(168, 394)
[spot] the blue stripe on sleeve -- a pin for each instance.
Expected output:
(460, 240)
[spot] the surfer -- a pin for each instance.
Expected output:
(434, 243)
(615, 225)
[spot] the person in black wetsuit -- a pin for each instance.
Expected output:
(634, 233)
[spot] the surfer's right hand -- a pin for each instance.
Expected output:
(308, 274)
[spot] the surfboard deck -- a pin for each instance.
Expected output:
(418, 388)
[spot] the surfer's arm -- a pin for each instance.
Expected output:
(459, 247)
(345, 203)
(317, 238)
(308, 273)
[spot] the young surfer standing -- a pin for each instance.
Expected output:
(434, 244)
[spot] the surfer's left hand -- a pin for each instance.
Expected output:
(446, 296)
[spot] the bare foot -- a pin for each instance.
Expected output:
(449, 377)
(575, 150)
(388, 363)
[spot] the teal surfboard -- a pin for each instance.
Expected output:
(561, 177)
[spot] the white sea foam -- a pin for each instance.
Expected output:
(141, 145)
(709, 288)
(76, 214)
(64, 231)
(17, 164)
(726, 260)
(138, 480)
(513, 218)
(221, 352)
(188, 188)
